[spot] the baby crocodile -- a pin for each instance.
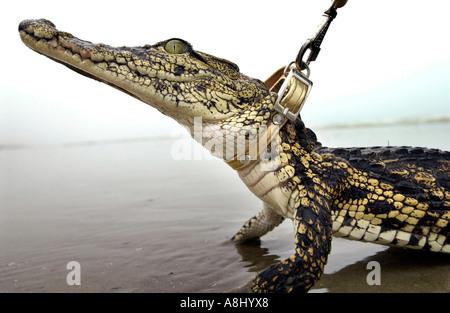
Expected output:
(397, 196)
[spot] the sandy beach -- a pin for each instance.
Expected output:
(138, 221)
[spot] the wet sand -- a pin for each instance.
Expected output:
(138, 221)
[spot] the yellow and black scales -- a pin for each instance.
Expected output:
(397, 196)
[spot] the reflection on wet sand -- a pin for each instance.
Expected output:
(401, 270)
(257, 258)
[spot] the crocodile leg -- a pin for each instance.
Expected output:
(260, 224)
(299, 272)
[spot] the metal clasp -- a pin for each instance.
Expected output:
(295, 87)
(292, 94)
(313, 44)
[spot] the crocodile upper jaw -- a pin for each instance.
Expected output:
(179, 85)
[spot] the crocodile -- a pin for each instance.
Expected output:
(396, 196)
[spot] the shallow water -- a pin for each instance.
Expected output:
(138, 221)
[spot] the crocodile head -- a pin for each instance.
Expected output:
(169, 75)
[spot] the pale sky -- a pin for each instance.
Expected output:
(376, 52)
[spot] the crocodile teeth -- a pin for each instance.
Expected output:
(53, 43)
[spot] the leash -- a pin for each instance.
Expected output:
(293, 87)
(292, 82)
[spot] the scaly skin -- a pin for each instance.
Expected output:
(398, 196)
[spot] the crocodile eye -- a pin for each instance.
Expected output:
(176, 46)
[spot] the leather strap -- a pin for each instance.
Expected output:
(294, 93)
(236, 163)
(254, 149)
(274, 79)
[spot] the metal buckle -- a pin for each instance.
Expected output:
(305, 83)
